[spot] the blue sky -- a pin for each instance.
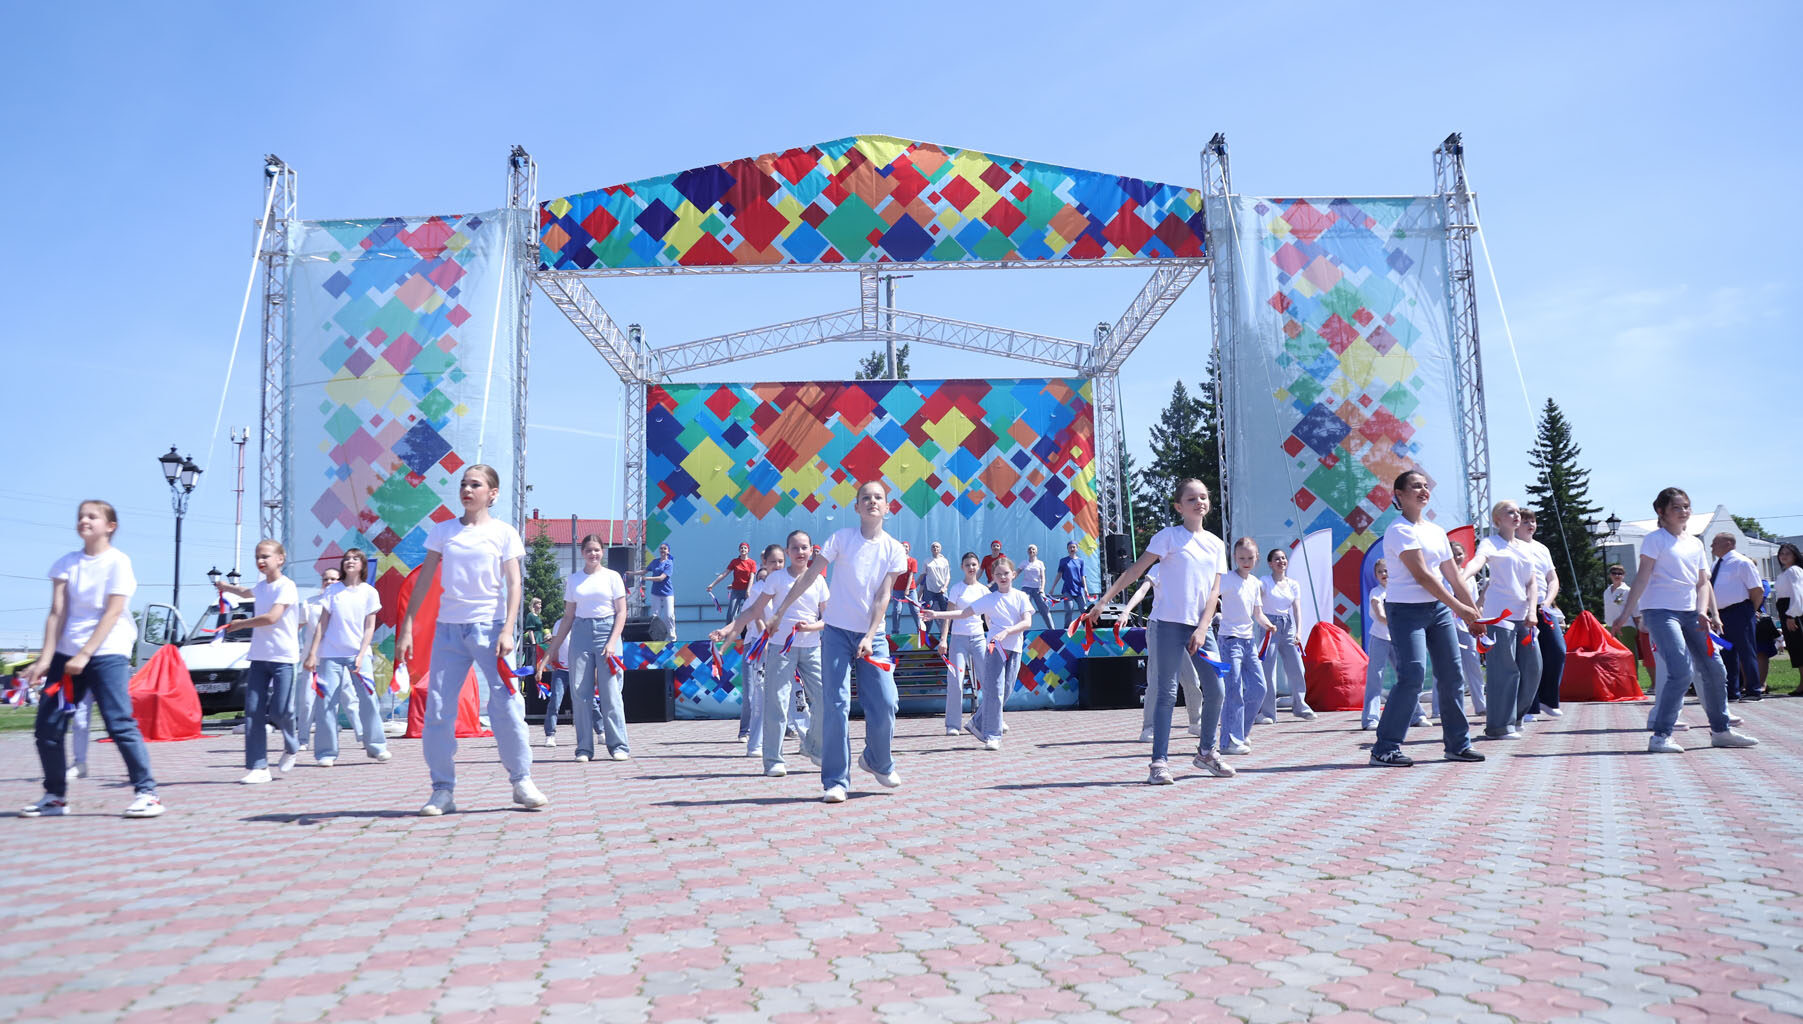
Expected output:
(1626, 155)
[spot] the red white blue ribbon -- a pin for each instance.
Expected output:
(509, 673)
(1221, 668)
(886, 666)
(789, 641)
(713, 657)
(1117, 633)
(716, 597)
(64, 689)
(225, 619)
(368, 686)
(319, 689)
(757, 646)
(1484, 643)
(1718, 642)
(1266, 645)
(616, 663)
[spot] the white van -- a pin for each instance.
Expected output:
(217, 667)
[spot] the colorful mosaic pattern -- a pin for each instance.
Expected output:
(870, 199)
(390, 365)
(1337, 311)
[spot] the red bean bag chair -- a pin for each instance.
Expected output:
(469, 714)
(163, 698)
(1597, 666)
(1334, 665)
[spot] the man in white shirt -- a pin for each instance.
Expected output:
(935, 578)
(1739, 593)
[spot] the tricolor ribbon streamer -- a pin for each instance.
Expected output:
(1266, 645)
(757, 646)
(509, 673)
(713, 657)
(368, 685)
(319, 689)
(789, 641)
(1718, 642)
(1117, 633)
(225, 618)
(1070, 628)
(879, 663)
(716, 597)
(616, 663)
(399, 682)
(1221, 668)
(1484, 643)
(64, 689)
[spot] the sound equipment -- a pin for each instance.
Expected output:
(649, 695)
(619, 559)
(644, 629)
(1110, 683)
(1117, 553)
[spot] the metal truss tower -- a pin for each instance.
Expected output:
(272, 449)
(522, 194)
(1217, 183)
(1460, 208)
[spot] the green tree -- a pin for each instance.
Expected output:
(544, 580)
(1561, 500)
(1753, 528)
(1183, 444)
(875, 366)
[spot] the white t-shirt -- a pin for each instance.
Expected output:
(1424, 537)
(280, 641)
(348, 607)
(1194, 561)
(1004, 611)
(936, 575)
(1032, 575)
(1512, 572)
(805, 609)
(965, 595)
(1678, 563)
(1281, 597)
(91, 580)
(1543, 564)
(1614, 600)
(1239, 596)
(475, 589)
(1380, 629)
(594, 593)
(859, 568)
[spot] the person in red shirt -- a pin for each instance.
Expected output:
(904, 588)
(742, 569)
(995, 552)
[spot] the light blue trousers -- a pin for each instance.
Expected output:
(456, 647)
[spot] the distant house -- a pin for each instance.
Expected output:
(567, 532)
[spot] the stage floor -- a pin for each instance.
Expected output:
(1570, 877)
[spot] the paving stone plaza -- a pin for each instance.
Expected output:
(1571, 877)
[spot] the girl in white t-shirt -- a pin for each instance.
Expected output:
(1377, 645)
(1191, 563)
(1472, 671)
(1032, 583)
(339, 658)
(963, 641)
(1009, 613)
(1424, 596)
(477, 615)
(594, 616)
(751, 694)
(1282, 596)
(274, 648)
(799, 630)
(1243, 624)
(1511, 668)
(1678, 607)
(1551, 627)
(88, 641)
(865, 562)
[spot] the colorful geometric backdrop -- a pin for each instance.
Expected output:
(1337, 312)
(870, 199)
(400, 335)
(967, 461)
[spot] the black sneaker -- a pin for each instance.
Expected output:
(1467, 754)
(1392, 759)
(1754, 697)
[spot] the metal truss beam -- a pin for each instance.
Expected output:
(273, 477)
(1467, 356)
(1111, 508)
(576, 302)
(1147, 308)
(522, 195)
(840, 268)
(860, 325)
(1217, 183)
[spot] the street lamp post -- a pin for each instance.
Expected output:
(180, 473)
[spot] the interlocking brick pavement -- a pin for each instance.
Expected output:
(1570, 878)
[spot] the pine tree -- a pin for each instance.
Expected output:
(875, 366)
(1561, 500)
(1183, 443)
(544, 580)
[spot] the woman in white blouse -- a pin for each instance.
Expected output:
(1282, 594)
(1787, 599)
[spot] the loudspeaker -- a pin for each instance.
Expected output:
(619, 559)
(644, 629)
(1109, 683)
(649, 695)
(535, 705)
(1117, 552)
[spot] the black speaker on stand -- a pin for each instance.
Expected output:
(1117, 553)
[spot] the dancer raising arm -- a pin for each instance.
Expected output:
(1191, 563)
(481, 557)
(274, 648)
(791, 648)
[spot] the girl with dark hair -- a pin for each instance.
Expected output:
(1787, 598)
(1550, 630)
(340, 655)
(594, 616)
(1282, 596)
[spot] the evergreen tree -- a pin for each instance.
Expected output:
(1561, 500)
(1753, 527)
(1183, 445)
(544, 580)
(875, 366)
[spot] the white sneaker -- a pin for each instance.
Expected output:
(834, 795)
(257, 777)
(1145, 736)
(776, 771)
(992, 744)
(620, 755)
(891, 779)
(46, 806)
(949, 731)
(1237, 747)
(144, 805)
(581, 758)
(326, 762)
(1211, 763)
(550, 741)
(1730, 738)
(1305, 713)
(1734, 720)
(440, 803)
(1004, 728)
(1663, 745)
(1530, 717)
(381, 755)
(286, 764)
(1680, 725)
(1195, 729)
(527, 795)
(78, 770)
(1264, 720)
(1553, 712)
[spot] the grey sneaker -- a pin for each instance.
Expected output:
(1161, 774)
(1210, 762)
(440, 803)
(1392, 759)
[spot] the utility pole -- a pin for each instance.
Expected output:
(240, 436)
(889, 301)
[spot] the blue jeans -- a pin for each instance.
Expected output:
(780, 671)
(935, 599)
(876, 695)
(1512, 677)
(1382, 655)
(1418, 632)
(896, 609)
(966, 654)
(1073, 605)
(1683, 649)
(1471, 670)
(456, 648)
(335, 678)
(663, 607)
(1169, 651)
(1742, 660)
(108, 678)
(1287, 652)
(1245, 688)
(266, 699)
(999, 671)
(559, 685)
(1040, 608)
(1552, 663)
(596, 703)
(735, 603)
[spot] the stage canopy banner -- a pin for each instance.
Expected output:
(967, 462)
(1337, 313)
(870, 199)
(402, 364)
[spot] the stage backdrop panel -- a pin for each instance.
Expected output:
(401, 346)
(967, 462)
(1335, 312)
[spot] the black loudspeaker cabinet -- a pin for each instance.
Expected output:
(1117, 553)
(619, 559)
(649, 695)
(644, 629)
(1109, 683)
(535, 705)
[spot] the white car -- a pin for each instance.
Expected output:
(216, 664)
